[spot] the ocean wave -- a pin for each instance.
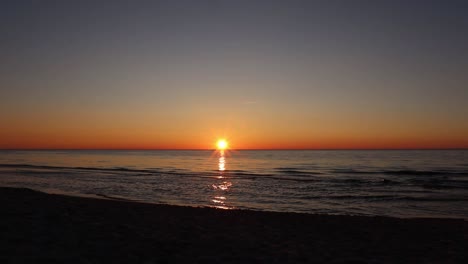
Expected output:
(436, 179)
(402, 172)
(295, 171)
(387, 198)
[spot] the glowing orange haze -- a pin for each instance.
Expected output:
(192, 139)
(358, 144)
(254, 128)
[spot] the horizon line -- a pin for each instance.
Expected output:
(211, 149)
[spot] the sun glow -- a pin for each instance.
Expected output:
(222, 144)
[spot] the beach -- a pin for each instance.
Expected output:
(39, 227)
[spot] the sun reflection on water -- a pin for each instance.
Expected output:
(221, 162)
(221, 188)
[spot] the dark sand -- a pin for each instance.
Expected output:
(44, 228)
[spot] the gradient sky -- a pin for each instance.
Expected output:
(263, 74)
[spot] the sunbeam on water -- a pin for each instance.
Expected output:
(221, 162)
(221, 188)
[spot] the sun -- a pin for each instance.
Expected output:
(222, 144)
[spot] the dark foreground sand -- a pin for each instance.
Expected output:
(43, 228)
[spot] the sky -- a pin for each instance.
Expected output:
(262, 74)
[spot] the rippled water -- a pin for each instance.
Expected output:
(392, 183)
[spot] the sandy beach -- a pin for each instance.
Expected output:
(39, 228)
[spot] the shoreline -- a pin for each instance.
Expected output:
(39, 227)
(394, 191)
(124, 199)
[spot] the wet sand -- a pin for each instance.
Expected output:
(47, 228)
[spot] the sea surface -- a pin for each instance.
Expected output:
(409, 183)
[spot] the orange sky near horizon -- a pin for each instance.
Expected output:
(84, 143)
(251, 130)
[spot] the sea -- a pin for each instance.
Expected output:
(396, 183)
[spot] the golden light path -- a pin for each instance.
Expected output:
(221, 162)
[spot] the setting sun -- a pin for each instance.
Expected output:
(222, 144)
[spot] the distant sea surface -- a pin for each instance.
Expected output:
(408, 183)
